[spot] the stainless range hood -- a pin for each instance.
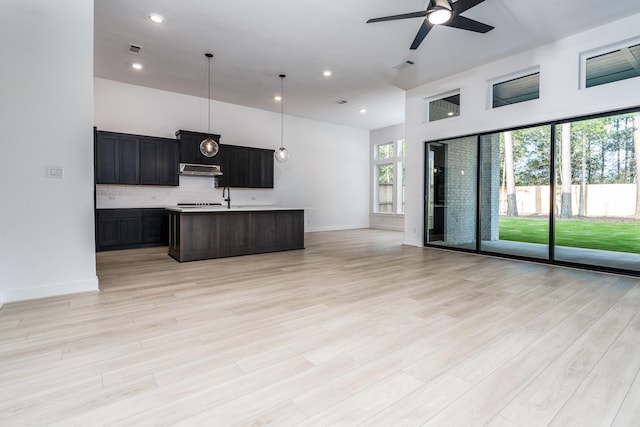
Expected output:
(199, 170)
(192, 161)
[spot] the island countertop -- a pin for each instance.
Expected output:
(239, 208)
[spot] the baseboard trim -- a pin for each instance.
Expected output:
(51, 290)
(387, 227)
(411, 241)
(336, 228)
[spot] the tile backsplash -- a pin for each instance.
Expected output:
(191, 189)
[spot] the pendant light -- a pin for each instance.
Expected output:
(281, 154)
(209, 147)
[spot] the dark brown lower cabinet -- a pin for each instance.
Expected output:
(131, 228)
(264, 227)
(206, 235)
(155, 227)
(233, 234)
(277, 231)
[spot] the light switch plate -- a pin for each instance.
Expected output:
(55, 172)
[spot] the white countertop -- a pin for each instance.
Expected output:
(233, 208)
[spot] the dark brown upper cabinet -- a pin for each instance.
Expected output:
(159, 161)
(190, 148)
(245, 167)
(261, 168)
(135, 159)
(234, 163)
(117, 158)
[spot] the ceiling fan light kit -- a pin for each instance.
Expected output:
(441, 12)
(439, 16)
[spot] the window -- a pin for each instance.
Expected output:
(385, 188)
(444, 107)
(521, 87)
(614, 64)
(384, 151)
(389, 180)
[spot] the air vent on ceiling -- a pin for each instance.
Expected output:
(341, 102)
(135, 49)
(404, 64)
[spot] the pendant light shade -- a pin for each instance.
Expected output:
(281, 154)
(209, 147)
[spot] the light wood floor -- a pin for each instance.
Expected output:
(355, 330)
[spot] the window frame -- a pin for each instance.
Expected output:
(602, 50)
(508, 77)
(440, 96)
(400, 177)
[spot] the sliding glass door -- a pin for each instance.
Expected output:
(451, 199)
(597, 190)
(568, 193)
(515, 177)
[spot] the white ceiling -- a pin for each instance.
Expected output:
(256, 40)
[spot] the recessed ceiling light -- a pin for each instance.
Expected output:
(277, 98)
(136, 66)
(362, 110)
(450, 113)
(327, 73)
(158, 19)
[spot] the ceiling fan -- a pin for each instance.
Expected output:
(441, 12)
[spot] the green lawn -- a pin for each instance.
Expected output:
(609, 236)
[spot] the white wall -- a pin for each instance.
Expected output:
(560, 97)
(328, 169)
(380, 136)
(46, 224)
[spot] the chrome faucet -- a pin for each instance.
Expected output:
(228, 199)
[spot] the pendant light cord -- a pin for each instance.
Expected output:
(282, 76)
(209, 95)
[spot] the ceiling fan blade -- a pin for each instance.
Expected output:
(462, 5)
(422, 33)
(402, 16)
(463, 23)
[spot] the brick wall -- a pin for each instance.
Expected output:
(490, 186)
(461, 184)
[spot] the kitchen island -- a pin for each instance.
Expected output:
(197, 233)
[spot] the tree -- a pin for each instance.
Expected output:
(512, 208)
(636, 147)
(582, 208)
(531, 148)
(565, 171)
